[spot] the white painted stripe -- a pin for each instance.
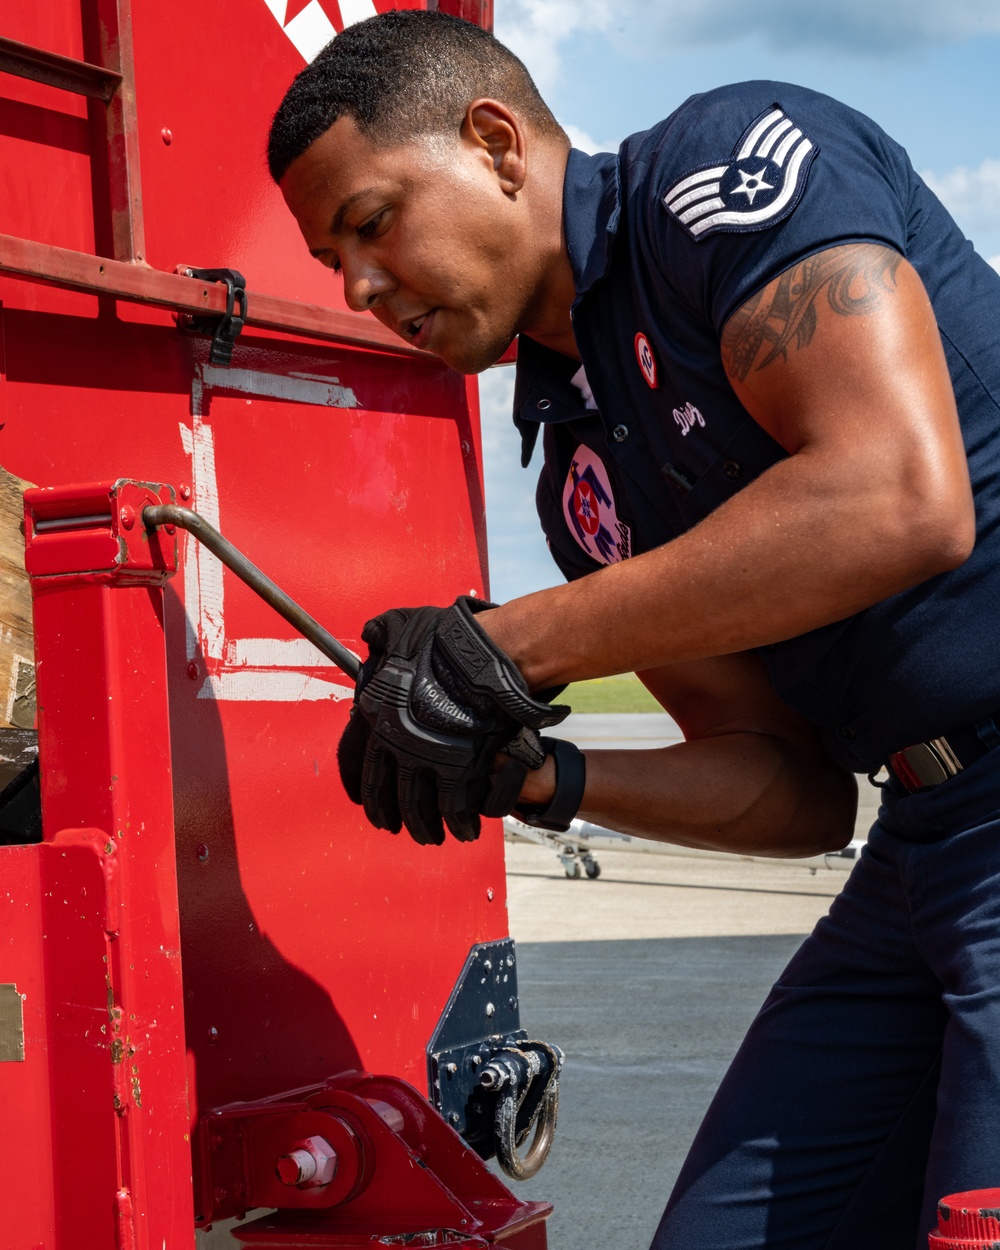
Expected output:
(310, 31)
(785, 145)
(356, 11)
(275, 653)
(693, 180)
(762, 214)
(206, 492)
(699, 210)
(278, 9)
(189, 560)
(769, 140)
(699, 193)
(250, 686)
(753, 138)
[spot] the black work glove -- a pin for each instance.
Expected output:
(436, 700)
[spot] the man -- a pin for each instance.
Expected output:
(763, 361)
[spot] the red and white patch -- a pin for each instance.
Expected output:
(590, 510)
(646, 359)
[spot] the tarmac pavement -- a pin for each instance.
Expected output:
(647, 978)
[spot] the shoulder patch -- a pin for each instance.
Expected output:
(590, 511)
(757, 187)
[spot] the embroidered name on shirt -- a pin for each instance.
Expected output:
(589, 508)
(760, 185)
(688, 417)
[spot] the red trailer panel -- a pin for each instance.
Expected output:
(180, 711)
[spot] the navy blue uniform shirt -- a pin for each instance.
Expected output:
(667, 239)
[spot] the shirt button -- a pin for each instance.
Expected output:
(543, 404)
(732, 469)
(620, 433)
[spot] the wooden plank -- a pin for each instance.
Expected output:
(17, 648)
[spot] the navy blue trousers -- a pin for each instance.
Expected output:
(869, 1084)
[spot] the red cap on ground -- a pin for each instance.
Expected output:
(969, 1221)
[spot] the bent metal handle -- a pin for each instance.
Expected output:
(234, 559)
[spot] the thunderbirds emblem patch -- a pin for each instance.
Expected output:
(589, 508)
(758, 187)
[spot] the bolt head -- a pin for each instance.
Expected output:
(310, 1164)
(296, 1168)
(126, 515)
(185, 491)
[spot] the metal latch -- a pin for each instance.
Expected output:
(225, 330)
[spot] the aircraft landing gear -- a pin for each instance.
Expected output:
(576, 863)
(571, 865)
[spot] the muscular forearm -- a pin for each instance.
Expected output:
(791, 552)
(742, 792)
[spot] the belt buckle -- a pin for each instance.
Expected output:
(925, 764)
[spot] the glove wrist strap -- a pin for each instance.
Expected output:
(571, 780)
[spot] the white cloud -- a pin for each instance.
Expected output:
(536, 29)
(855, 24)
(586, 142)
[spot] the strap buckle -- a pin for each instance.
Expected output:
(925, 764)
(225, 330)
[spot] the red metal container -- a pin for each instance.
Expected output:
(968, 1221)
(208, 920)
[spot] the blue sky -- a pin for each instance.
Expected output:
(925, 70)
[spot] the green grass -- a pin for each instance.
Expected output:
(609, 694)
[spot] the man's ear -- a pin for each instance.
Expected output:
(493, 128)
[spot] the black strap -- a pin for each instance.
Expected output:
(571, 780)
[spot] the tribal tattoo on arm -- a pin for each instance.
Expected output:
(855, 279)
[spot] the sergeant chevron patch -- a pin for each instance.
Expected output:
(759, 186)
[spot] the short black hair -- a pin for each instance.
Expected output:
(400, 74)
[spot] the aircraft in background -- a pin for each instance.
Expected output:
(575, 848)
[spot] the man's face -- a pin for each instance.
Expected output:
(425, 233)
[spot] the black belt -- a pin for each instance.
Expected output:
(927, 764)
